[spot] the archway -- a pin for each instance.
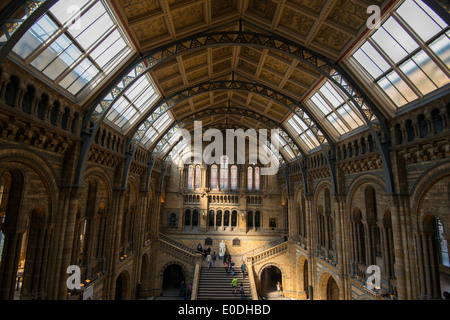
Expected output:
(268, 281)
(332, 289)
(328, 287)
(173, 277)
(122, 287)
(11, 184)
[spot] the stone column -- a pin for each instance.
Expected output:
(113, 240)
(342, 246)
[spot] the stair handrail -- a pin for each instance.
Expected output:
(177, 244)
(269, 252)
(188, 253)
(264, 247)
(251, 278)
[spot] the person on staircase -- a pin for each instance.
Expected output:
(234, 283)
(214, 257)
(243, 268)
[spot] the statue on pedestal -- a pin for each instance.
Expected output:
(222, 249)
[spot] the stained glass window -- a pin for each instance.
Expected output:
(257, 178)
(197, 177)
(224, 172)
(250, 178)
(190, 178)
(234, 178)
(214, 176)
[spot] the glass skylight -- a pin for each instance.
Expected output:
(302, 133)
(336, 108)
(135, 101)
(157, 129)
(76, 44)
(409, 55)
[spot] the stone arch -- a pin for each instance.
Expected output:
(23, 160)
(359, 184)
(326, 281)
(302, 271)
(267, 286)
(123, 286)
(423, 185)
(144, 280)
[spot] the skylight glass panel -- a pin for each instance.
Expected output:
(441, 47)
(335, 106)
(65, 9)
(424, 22)
(158, 128)
(397, 58)
(299, 130)
(134, 102)
(331, 94)
(75, 44)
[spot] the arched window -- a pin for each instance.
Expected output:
(234, 218)
(197, 177)
(226, 219)
(257, 179)
(213, 177)
(257, 219)
(250, 178)
(224, 172)
(187, 218)
(211, 218)
(195, 218)
(250, 219)
(190, 177)
(219, 218)
(234, 178)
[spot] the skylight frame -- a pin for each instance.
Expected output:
(82, 86)
(336, 107)
(394, 84)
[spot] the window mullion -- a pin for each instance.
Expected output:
(61, 30)
(84, 55)
(421, 44)
(396, 69)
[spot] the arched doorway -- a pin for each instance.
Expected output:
(268, 281)
(11, 185)
(122, 287)
(332, 289)
(173, 277)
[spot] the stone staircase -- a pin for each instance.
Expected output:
(215, 285)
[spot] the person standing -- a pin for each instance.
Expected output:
(279, 288)
(182, 289)
(243, 268)
(232, 268)
(208, 260)
(241, 291)
(226, 267)
(214, 259)
(234, 283)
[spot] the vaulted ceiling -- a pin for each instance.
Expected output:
(328, 27)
